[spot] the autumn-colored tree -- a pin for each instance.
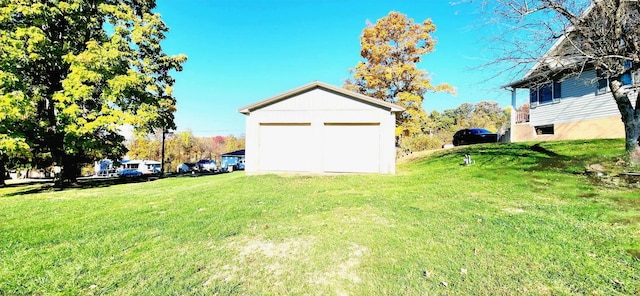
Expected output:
(462, 115)
(523, 113)
(391, 49)
(489, 115)
(218, 145)
(234, 143)
(72, 72)
(182, 147)
(144, 147)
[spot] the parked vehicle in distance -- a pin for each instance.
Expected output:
(129, 173)
(187, 167)
(469, 136)
(207, 165)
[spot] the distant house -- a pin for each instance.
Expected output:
(564, 105)
(319, 128)
(144, 166)
(233, 160)
(105, 168)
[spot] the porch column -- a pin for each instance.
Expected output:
(514, 115)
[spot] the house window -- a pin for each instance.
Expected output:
(626, 79)
(603, 86)
(544, 130)
(545, 94)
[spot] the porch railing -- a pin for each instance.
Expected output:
(522, 116)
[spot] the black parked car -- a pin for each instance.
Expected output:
(474, 136)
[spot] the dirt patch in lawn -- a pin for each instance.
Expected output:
(259, 260)
(293, 265)
(345, 270)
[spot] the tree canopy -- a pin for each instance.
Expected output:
(182, 147)
(73, 72)
(391, 49)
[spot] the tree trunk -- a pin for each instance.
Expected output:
(630, 119)
(70, 169)
(3, 171)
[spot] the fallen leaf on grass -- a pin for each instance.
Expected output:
(617, 282)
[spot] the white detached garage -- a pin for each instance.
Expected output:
(320, 128)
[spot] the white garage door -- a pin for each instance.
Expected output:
(351, 147)
(285, 147)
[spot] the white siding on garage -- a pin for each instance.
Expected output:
(351, 147)
(320, 129)
(579, 102)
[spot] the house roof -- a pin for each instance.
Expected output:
(314, 85)
(235, 153)
(535, 73)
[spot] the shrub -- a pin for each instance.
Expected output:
(420, 143)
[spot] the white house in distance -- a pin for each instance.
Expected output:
(565, 107)
(319, 128)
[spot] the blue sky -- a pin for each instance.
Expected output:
(241, 52)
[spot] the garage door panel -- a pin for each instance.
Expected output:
(351, 147)
(285, 147)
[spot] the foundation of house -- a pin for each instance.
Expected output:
(601, 128)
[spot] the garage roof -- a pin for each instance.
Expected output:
(317, 84)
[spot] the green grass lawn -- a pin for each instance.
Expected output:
(520, 220)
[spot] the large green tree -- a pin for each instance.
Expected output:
(392, 49)
(72, 72)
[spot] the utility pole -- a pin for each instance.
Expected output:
(164, 132)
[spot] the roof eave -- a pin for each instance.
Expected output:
(317, 84)
(522, 83)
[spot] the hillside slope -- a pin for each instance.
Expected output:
(522, 219)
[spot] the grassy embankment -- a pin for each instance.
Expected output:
(518, 221)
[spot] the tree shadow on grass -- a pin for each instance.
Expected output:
(529, 157)
(50, 186)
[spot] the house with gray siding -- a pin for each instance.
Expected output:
(566, 106)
